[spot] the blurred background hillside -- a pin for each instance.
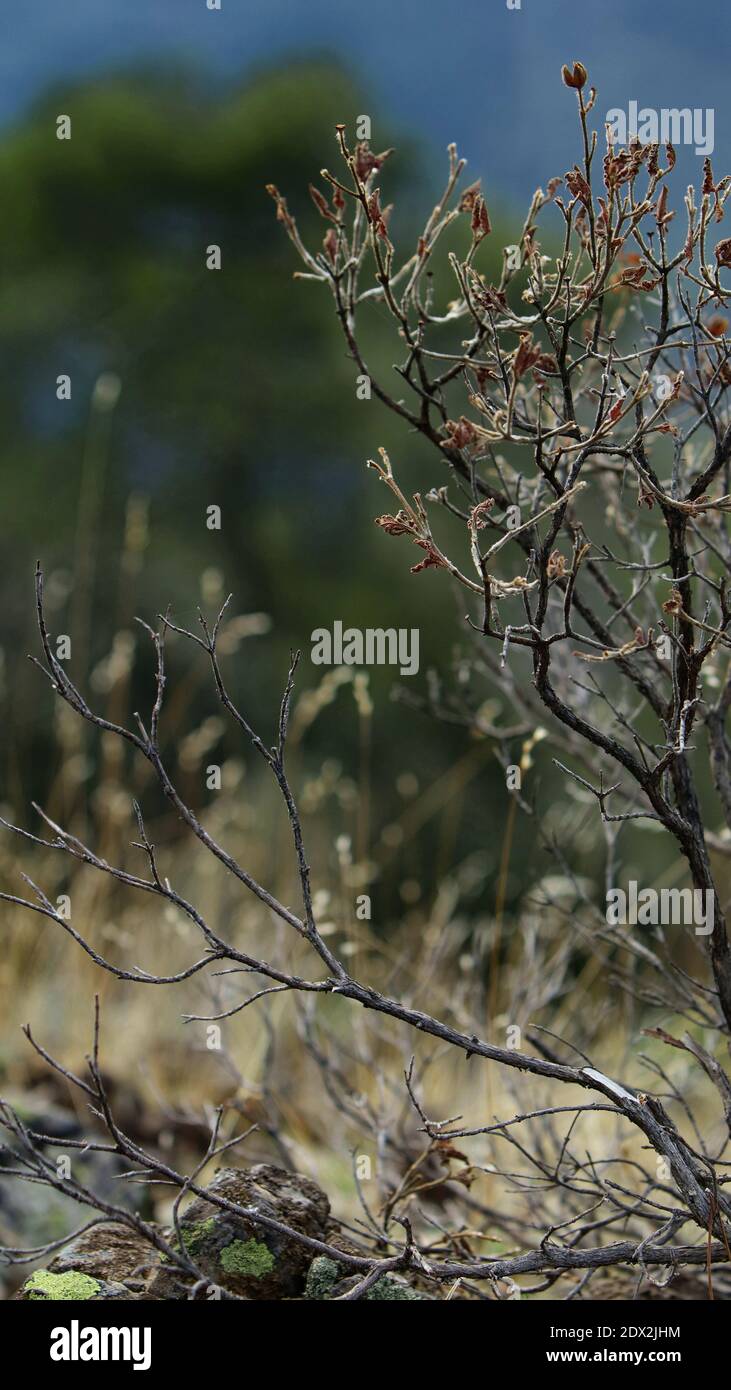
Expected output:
(192, 388)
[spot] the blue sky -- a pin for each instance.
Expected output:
(473, 71)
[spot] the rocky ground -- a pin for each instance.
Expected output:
(231, 1254)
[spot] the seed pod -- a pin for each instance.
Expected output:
(575, 76)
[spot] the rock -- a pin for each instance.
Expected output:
(72, 1286)
(108, 1261)
(239, 1255)
(326, 1280)
(38, 1111)
(109, 1251)
(112, 1261)
(32, 1214)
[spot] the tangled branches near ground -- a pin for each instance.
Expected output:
(627, 435)
(649, 1217)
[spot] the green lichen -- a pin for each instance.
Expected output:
(193, 1236)
(322, 1276)
(249, 1257)
(61, 1287)
(325, 1273)
(388, 1290)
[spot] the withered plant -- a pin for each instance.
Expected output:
(578, 403)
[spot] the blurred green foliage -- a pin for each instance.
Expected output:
(230, 380)
(192, 387)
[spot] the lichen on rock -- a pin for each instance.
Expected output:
(45, 1284)
(238, 1253)
(113, 1258)
(71, 1286)
(192, 1236)
(322, 1276)
(251, 1257)
(233, 1251)
(327, 1280)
